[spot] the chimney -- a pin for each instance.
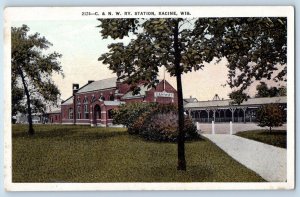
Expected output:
(90, 81)
(75, 87)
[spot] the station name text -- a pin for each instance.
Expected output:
(137, 13)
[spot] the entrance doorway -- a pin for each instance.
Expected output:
(97, 114)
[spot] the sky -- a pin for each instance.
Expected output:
(81, 44)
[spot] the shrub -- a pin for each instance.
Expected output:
(164, 127)
(127, 114)
(158, 122)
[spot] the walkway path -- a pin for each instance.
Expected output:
(266, 160)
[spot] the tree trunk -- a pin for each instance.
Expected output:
(270, 129)
(181, 135)
(30, 130)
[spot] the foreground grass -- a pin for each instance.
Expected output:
(83, 154)
(275, 138)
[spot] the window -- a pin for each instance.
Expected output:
(86, 108)
(102, 98)
(86, 112)
(93, 98)
(71, 113)
(110, 114)
(78, 112)
(111, 97)
(78, 101)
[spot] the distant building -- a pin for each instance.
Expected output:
(228, 110)
(37, 118)
(54, 116)
(189, 100)
(93, 103)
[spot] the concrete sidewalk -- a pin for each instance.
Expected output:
(266, 160)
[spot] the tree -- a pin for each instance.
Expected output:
(271, 115)
(254, 47)
(282, 91)
(264, 91)
(32, 70)
(238, 96)
(156, 43)
(183, 45)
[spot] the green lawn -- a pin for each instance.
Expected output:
(275, 138)
(84, 154)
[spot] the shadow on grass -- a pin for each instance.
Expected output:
(274, 133)
(275, 137)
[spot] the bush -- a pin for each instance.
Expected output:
(164, 127)
(158, 122)
(127, 114)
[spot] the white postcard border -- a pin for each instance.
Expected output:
(74, 13)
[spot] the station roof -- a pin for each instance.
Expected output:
(229, 102)
(68, 101)
(57, 111)
(99, 85)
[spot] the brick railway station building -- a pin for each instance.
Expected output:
(92, 104)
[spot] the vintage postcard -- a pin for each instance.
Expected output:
(149, 98)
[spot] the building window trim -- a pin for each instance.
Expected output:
(71, 113)
(78, 101)
(78, 112)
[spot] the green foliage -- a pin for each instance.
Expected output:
(17, 98)
(238, 96)
(32, 70)
(164, 127)
(128, 113)
(271, 115)
(81, 154)
(31, 64)
(276, 138)
(151, 48)
(264, 91)
(254, 47)
(153, 121)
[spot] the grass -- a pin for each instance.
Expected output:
(59, 153)
(275, 138)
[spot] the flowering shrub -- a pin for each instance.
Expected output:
(127, 114)
(152, 121)
(164, 127)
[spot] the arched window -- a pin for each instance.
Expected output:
(70, 113)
